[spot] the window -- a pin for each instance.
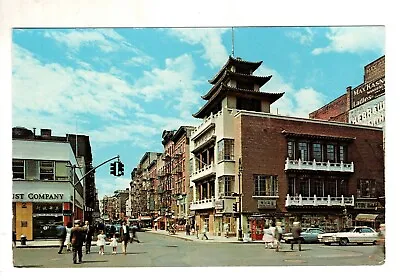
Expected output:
(62, 171)
(46, 170)
(292, 186)
(303, 151)
(304, 187)
(342, 153)
(248, 104)
(330, 188)
(225, 185)
(331, 152)
(18, 168)
(191, 166)
(265, 185)
(318, 188)
(291, 145)
(225, 149)
(317, 152)
(366, 188)
(32, 170)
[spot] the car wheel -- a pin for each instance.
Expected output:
(327, 243)
(360, 243)
(374, 243)
(343, 241)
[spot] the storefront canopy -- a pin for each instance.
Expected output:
(366, 217)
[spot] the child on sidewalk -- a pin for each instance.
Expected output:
(114, 244)
(101, 242)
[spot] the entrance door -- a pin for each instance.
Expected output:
(44, 227)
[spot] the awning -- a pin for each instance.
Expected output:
(366, 217)
(158, 218)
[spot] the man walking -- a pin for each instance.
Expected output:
(296, 231)
(124, 235)
(205, 229)
(89, 236)
(77, 238)
(62, 234)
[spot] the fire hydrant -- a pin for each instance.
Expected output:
(23, 240)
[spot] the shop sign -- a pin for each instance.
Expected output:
(38, 196)
(366, 92)
(46, 215)
(219, 204)
(47, 208)
(266, 204)
(371, 113)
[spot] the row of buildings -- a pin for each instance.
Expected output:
(245, 166)
(48, 183)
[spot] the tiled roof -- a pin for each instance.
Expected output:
(232, 60)
(261, 79)
(223, 89)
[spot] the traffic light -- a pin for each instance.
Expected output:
(113, 169)
(234, 207)
(120, 169)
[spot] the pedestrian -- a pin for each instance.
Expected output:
(89, 230)
(61, 234)
(155, 226)
(278, 235)
(205, 229)
(101, 242)
(14, 239)
(268, 236)
(197, 231)
(68, 237)
(226, 230)
(296, 231)
(114, 244)
(134, 235)
(77, 238)
(187, 227)
(124, 235)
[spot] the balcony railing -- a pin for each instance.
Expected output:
(202, 204)
(203, 172)
(318, 166)
(203, 127)
(319, 201)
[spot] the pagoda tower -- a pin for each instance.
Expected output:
(235, 87)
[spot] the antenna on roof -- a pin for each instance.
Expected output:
(233, 43)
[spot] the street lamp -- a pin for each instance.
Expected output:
(240, 231)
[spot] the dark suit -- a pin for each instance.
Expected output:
(77, 238)
(89, 237)
(124, 236)
(62, 234)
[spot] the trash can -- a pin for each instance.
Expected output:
(23, 240)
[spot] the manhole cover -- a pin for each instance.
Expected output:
(295, 261)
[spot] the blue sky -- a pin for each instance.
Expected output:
(124, 86)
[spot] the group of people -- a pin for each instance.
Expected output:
(74, 237)
(273, 236)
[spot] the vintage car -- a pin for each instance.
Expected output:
(308, 235)
(357, 234)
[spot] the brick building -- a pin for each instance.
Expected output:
(272, 167)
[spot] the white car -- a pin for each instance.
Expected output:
(358, 234)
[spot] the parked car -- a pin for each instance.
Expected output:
(308, 235)
(358, 234)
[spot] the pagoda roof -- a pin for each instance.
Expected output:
(261, 80)
(223, 90)
(235, 61)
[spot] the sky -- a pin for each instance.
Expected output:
(124, 86)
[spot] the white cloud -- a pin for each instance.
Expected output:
(139, 60)
(58, 91)
(107, 40)
(110, 184)
(295, 102)
(304, 35)
(176, 82)
(210, 38)
(354, 40)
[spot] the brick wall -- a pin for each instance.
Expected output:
(333, 110)
(264, 151)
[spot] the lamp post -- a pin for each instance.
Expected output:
(240, 231)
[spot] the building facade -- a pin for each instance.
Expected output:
(250, 167)
(44, 195)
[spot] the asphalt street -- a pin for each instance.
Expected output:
(168, 251)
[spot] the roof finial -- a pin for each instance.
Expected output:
(233, 43)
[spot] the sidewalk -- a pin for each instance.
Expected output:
(54, 243)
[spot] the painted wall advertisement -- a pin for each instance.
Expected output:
(371, 113)
(367, 91)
